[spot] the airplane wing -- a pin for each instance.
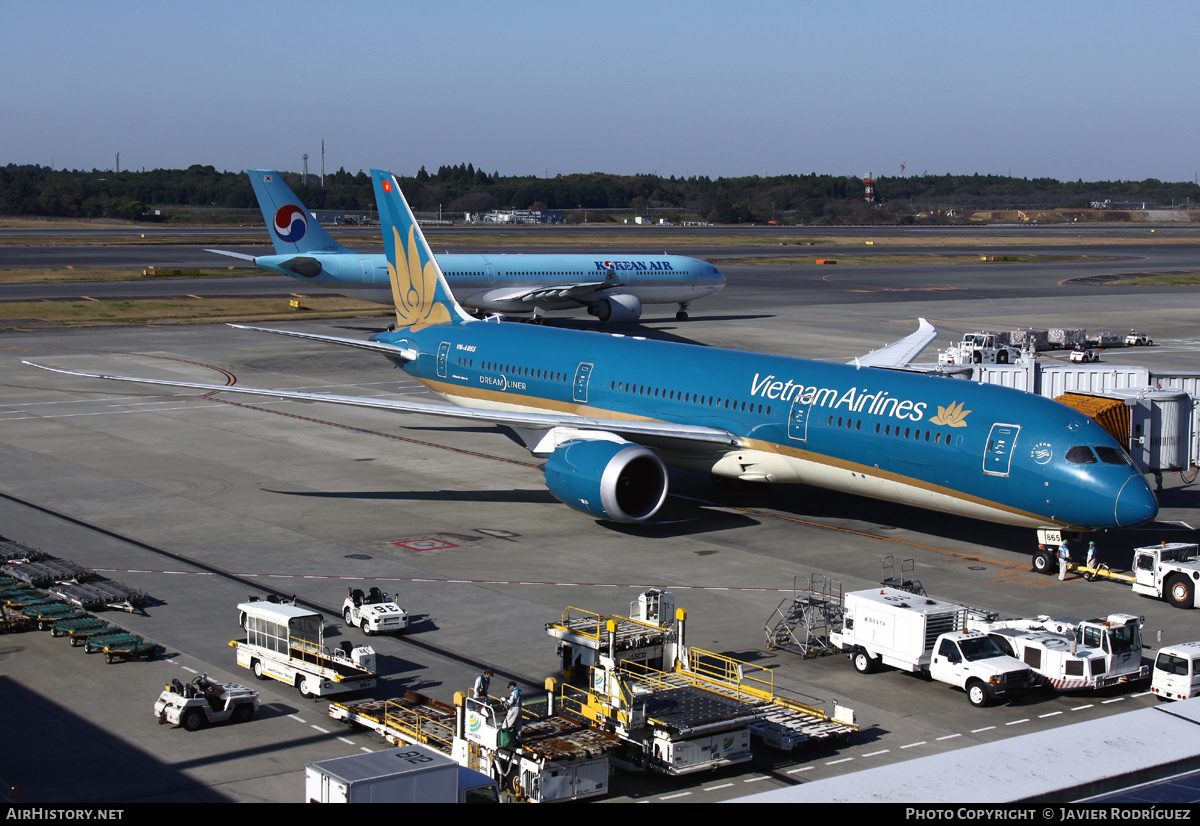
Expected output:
(232, 254)
(690, 438)
(583, 291)
(902, 352)
(304, 265)
(373, 346)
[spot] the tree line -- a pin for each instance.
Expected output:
(31, 190)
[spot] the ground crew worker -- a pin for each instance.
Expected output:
(1091, 555)
(481, 684)
(1064, 556)
(513, 719)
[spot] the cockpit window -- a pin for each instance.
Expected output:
(1111, 456)
(1081, 455)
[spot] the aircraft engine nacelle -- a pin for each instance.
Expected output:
(617, 308)
(617, 481)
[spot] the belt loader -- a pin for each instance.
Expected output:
(677, 709)
(557, 757)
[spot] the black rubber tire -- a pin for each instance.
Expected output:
(1043, 561)
(864, 663)
(302, 687)
(192, 720)
(1180, 591)
(257, 669)
(242, 713)
(977, 694)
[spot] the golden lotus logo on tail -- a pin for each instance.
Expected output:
(414, 288)
(953, 416)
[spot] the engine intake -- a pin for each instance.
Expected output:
(617, 308)
(617, 481)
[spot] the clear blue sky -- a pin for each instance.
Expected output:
(1061, 89)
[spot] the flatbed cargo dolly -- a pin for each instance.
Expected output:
(67, 627)
(78, 638)
(46, 613)
(125, 648)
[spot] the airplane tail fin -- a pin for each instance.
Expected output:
(289, 223)
(419, 289)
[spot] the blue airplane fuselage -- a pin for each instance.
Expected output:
(494, 283)
(950, 445)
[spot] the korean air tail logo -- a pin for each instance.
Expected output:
(290, 223)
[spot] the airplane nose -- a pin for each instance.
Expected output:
(1136, 503)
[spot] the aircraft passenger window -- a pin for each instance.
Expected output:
(1080, 455)
(905, 432)
(937, 438)
(1110, 455)
(887, 431)
(839, 420)
(830, 421)
(876, 427)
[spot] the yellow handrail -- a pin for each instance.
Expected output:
(421, 727)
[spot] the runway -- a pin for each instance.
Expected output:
(200, 500)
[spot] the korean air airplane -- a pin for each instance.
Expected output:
(608, 412)
(612, 288)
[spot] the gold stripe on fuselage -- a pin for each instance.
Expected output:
(477, 398)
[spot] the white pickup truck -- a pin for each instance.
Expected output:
(922, 635)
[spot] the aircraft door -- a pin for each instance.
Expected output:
(798, 419)
(997, 456)
(368, 271)
(443, 358)
(491, 275)
(583, 373)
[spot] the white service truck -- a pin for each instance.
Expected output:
(1170, 571)
(373, 612)
(1068, 654)
(1136, 339)
(922, 635)
(1177, 672)
(979, 348)
(409, 774)
(287, 643)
